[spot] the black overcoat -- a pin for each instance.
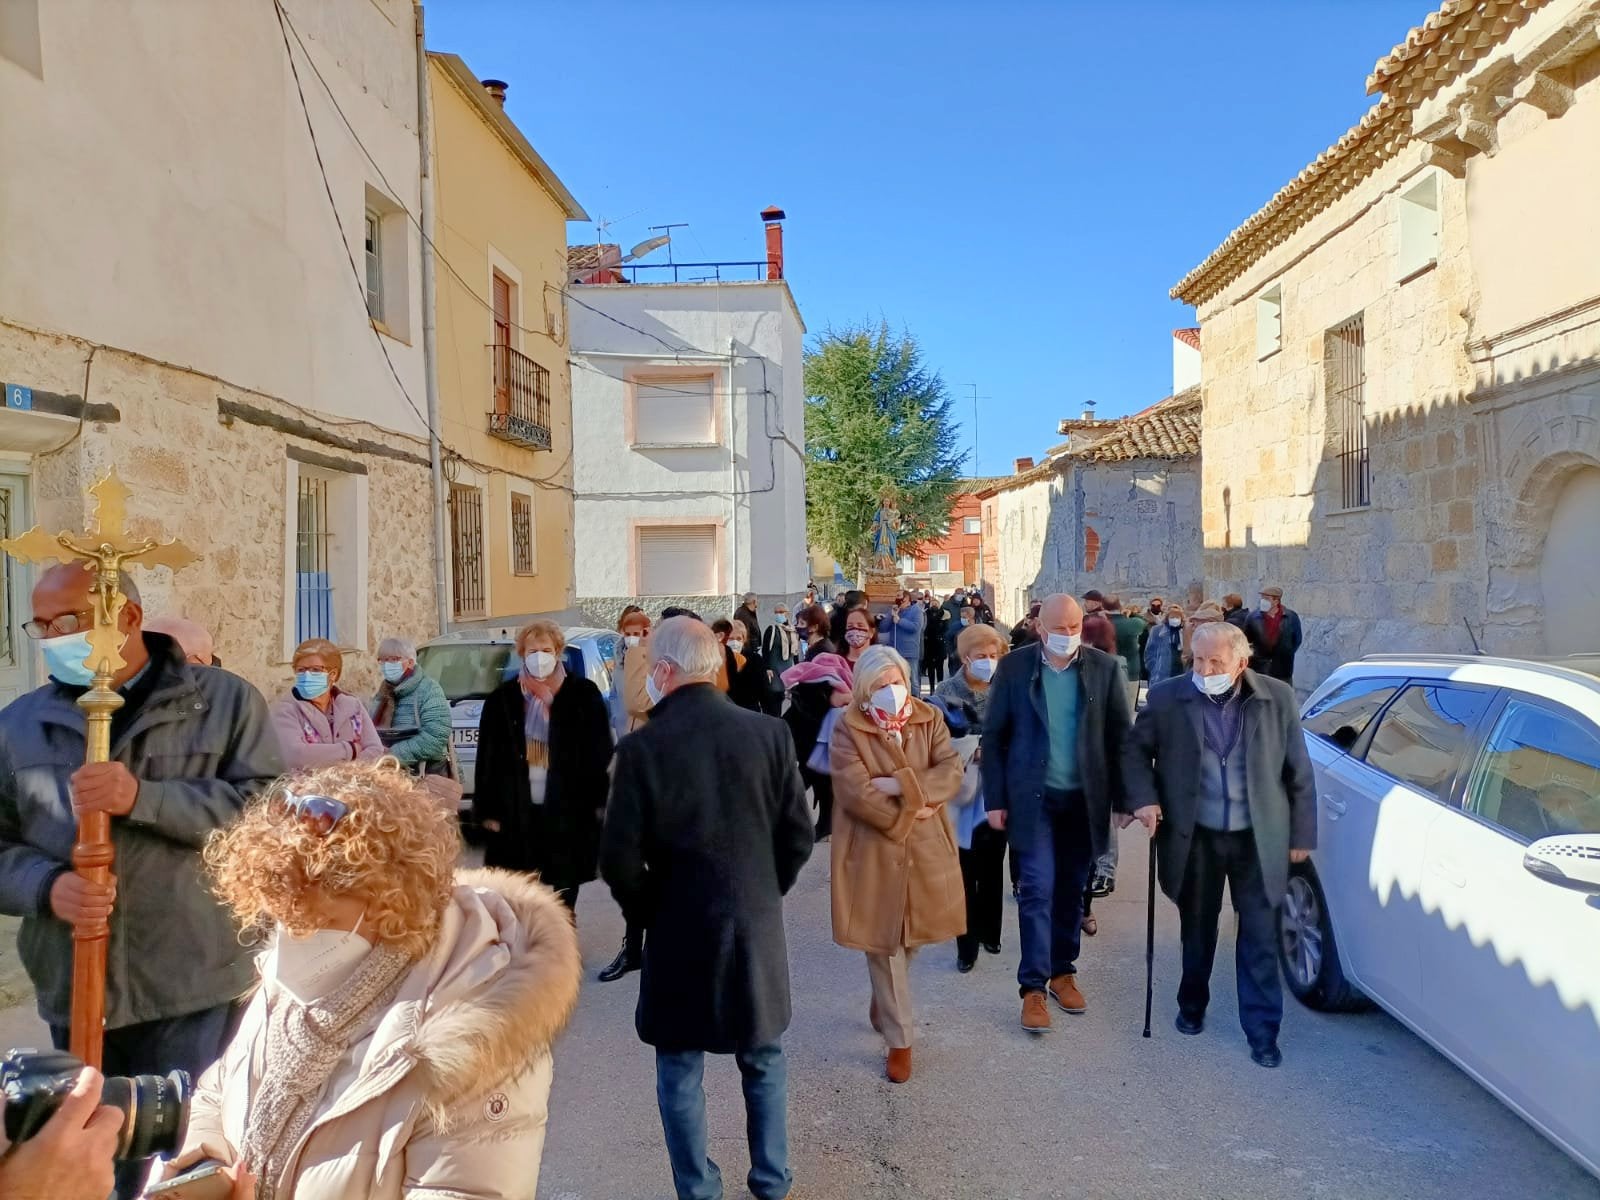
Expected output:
(706, 830)
(560, 838)
(1162, 764)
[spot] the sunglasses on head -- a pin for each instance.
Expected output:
(319, 814)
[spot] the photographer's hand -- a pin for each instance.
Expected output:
(70, 1158)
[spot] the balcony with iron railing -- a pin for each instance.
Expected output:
(521, 413)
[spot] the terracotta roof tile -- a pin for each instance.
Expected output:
(1170, 430)
(1189, 337)
(1445, 45)
(590, 256)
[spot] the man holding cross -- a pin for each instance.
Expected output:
(188, 746)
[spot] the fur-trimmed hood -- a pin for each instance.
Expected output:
(498, 986)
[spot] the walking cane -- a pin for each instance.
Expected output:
(1150, 938)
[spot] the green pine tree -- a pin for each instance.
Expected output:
(876, 417)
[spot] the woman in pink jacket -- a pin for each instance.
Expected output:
(317, 724)
(399, 1045)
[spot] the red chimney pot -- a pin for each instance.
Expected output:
(773, 216)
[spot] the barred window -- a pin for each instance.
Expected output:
(521, 534)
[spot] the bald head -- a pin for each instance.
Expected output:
(1060, 613)
(193, 637)
(66, 590)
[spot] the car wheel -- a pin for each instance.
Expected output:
(1307, 950)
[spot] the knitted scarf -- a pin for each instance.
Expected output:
(304, 1045)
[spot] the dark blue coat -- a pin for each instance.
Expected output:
(1016, 742)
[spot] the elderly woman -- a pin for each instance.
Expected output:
(399, 1043)
(744, 668)
(410, 709)
(780, 646)
(1163, 646)
(317, 724)
(983, 850)
(896, 872)
(544, 746)
(634, 626)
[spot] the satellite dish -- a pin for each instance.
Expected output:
(648, 247)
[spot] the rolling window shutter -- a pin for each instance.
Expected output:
(674, 412)
(678, 560)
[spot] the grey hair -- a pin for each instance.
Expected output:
(1221, 631)
(869, 668)
(398, 647)
(689, 646)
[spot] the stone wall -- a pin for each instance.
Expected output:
(220, 488)
(1125, 528)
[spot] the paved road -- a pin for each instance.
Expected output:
(1361, 1108)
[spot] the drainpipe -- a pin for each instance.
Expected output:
(733, 485)
(430, 340)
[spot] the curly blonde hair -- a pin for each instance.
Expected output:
(396, 848)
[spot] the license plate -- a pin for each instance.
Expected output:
(464, 737)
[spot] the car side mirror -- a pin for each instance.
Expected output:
(1345, 737)
(1569, 860)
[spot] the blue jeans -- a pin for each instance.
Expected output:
(680, 1092)
(1052, 874)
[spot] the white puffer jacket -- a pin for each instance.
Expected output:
(446, 1096)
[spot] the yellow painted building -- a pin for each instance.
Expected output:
(505, 386)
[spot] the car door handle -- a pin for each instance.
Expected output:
(1450, 870)
(1336, 807)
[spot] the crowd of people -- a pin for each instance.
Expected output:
(289, 922)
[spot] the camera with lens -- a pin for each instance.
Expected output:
(155, 1108)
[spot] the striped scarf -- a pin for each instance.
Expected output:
(536, 717)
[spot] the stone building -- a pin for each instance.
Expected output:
(688, 433)
(1402, 354)
(1115, 507)
(505, 385)
(185, 295)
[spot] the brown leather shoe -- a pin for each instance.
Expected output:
(872, 1015)
(1064, 991)
(1035, 1016)
(898, 1068)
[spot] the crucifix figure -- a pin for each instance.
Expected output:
(105, 548)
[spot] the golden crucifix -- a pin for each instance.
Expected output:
(107, 548)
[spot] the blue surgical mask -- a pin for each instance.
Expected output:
(310, 684)
(64, 656)
(782, 618)
(652, 689)
(393, 672)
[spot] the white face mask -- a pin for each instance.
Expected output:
(313, 967)
(541, 664)
(632, 640)
(1175, 621)
(735, 645)
(1062, 645)
(1213, 685)
(890, 700)
(1267, 603)
(981, 669)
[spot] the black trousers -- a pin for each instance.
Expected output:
(189, 1043)
(933, 668)
(822, 789)
(1214, 859)
(983, 874)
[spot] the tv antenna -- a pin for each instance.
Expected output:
(668, 239)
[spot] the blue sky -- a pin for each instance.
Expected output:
(1017, 184)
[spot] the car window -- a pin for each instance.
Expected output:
(1539, 774)
(1342, 716)
(466, 669)
(1422, 733)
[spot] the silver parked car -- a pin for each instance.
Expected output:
(469, 666)
(1456, 880)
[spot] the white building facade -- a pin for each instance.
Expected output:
(688, 445)
(187, 296)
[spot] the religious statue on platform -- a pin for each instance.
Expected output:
(885, 530)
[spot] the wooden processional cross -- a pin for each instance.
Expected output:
(106, 548)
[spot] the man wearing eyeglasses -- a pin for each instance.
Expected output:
(188, 746)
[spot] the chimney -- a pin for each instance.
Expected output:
(497, 89)
(1021, 465)
(1088, 410)
(773, 217)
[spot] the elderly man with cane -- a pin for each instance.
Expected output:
(1219, 759)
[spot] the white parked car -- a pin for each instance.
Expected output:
(1456, 880)
(468, 666)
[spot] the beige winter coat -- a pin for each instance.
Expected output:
(896, 880)
(446, 1096)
